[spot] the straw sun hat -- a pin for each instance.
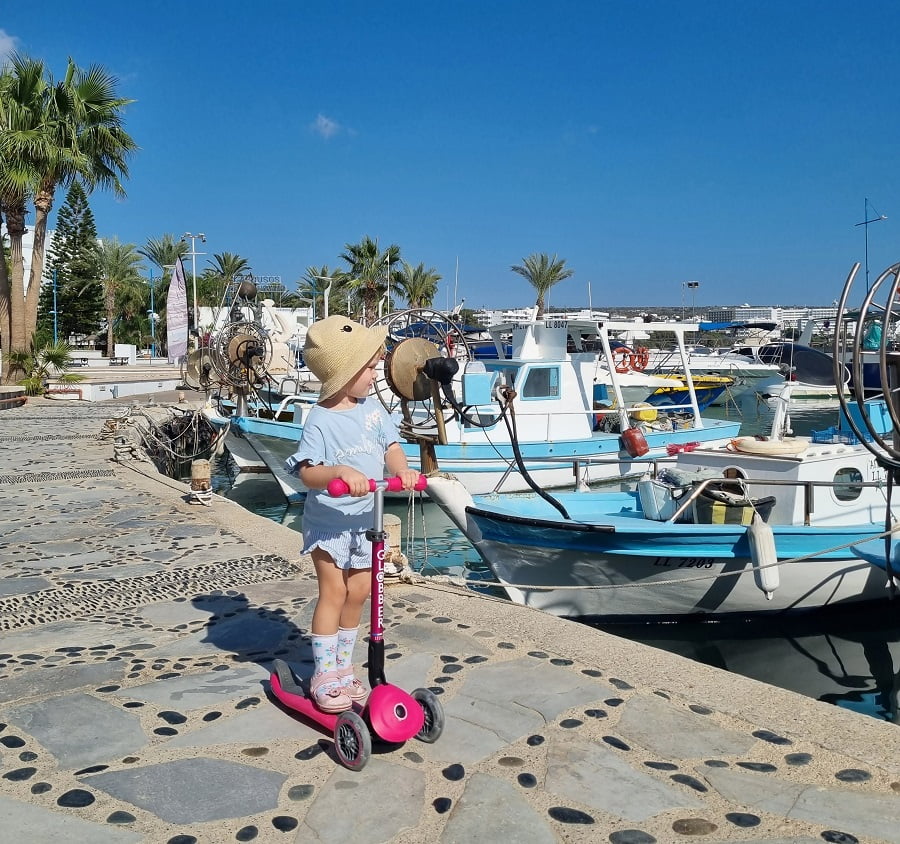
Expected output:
(337, 348)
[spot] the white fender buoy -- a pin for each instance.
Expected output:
(763, 556)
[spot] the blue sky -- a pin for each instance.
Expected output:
(647, 143)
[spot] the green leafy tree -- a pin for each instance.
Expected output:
(217, 279)
(163, 252)
(123, 286)
(370, 273)
(51, 134)
(542, 272)
(418, 285)
(74, 259)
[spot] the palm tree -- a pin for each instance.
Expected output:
(219, 276)
(50, 135)
(164, 251)
(418, 285)
(542, 273)
(22, 93)
(370, 272)
(312, 289)
(120, 275)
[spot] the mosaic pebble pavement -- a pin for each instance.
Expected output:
(137, 635)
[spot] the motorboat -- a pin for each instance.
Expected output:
(534, 408)
(724, 531)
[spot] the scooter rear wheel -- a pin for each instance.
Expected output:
(352, 741)
(434, 715)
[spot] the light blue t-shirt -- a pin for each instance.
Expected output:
(357, 437)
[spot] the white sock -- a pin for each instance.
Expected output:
(346, 642)
(325, 650)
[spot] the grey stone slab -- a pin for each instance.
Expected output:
(173, 612)
(677, 733)
(430, 637)
(605, 779)
(56, 679)
(193, 790)
(193, 691)
(528, 685)
(375, 816)
(243, 634)
(22, 585)
(86, 558)
(465, 742)
(476, 816)
(80, 730)
(60, 634)
(858, 813)
(194, 530)
(25, 822)
(261, 725)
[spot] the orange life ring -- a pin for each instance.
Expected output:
(621, 359)
(640, 358)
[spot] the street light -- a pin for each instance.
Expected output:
(691, 285)
(152, 315)
(330, 281)
(194, 253)
(866, 221)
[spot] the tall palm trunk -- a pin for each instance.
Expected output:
(109, 295)
(4, 301)
(15, 226)
(43, 202)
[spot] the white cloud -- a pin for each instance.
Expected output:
(8, 45)
(325, 126)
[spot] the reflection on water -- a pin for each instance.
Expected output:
(850, 659)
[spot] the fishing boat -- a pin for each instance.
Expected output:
(724, 531)
(534, 408)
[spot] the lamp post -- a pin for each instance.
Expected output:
(152, 314)
(387, 260)
(194, 253)
(54, 307)
(690, 285)
(330, 281)
(865, 223)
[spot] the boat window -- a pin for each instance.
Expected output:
(541, 382)
(847, 484)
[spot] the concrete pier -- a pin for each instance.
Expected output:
(136, 634)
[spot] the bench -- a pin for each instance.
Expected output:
(118, 361)
(78, 362)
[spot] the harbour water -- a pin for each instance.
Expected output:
(849, 659)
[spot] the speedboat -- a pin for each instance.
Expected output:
(534, 408)
(736, 530)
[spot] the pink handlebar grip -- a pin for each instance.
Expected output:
(337, 487)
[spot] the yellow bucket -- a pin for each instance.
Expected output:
(643, 412)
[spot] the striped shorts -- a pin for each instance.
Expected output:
(350, 549)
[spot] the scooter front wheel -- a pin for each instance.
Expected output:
(434, 715)
(352, 741)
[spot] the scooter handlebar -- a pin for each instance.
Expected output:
(338, 487)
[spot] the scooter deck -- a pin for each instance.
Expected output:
(287, 690)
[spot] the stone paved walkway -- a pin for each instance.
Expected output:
(136, 635)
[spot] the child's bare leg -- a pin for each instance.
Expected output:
(325, 685)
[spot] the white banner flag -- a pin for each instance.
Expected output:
(177, 315)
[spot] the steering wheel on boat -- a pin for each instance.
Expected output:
(414, 337)
(240, 354)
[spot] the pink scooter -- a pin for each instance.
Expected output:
(389, 713)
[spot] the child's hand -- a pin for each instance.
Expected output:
(356, 481)
(409, 478)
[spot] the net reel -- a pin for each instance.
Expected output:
(418, 339)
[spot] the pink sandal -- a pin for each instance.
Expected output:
(355, 690)
(328, 694)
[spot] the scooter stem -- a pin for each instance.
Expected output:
(377, 536)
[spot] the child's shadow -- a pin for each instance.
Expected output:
(255, 633)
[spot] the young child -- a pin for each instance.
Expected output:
(351, 437)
